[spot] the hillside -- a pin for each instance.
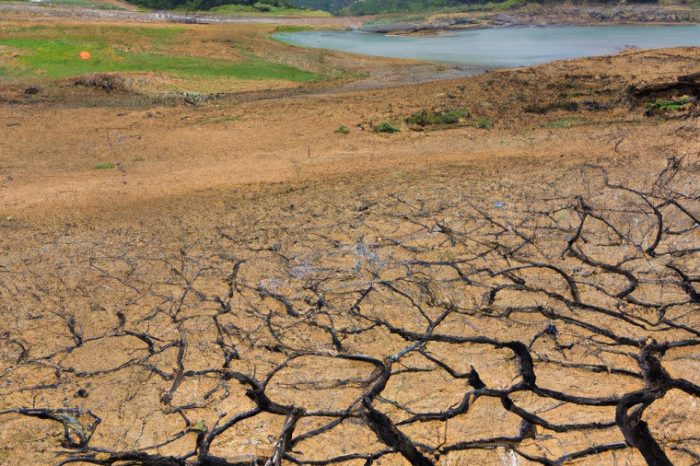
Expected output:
(373, 7)
(245, 5)
(334, 6)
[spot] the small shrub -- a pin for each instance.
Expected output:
(484, 123)
(386, 127)
(444, 117)
(535, 108)
(342, 130)
(567, 105)
(264, 7)
(105, 166)
(420, 118)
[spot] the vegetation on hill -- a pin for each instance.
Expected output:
(334, 6)
(373, 7)
(252, 5)
(261, 9)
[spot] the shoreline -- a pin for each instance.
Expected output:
(388, 73)
(439, 32)
(593, 15)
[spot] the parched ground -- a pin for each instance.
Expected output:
(248, 286)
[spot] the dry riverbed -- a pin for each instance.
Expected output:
(275, 274)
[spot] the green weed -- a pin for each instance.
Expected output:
(291, 28)
(386, 127)
(484, 123)
(444, 117)
(564, 123)
(669, 105)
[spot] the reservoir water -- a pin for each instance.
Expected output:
(506, 46)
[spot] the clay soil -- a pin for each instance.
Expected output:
(233, 280)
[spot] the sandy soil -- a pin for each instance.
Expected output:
(168, 151)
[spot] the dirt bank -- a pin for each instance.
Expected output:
(563, 109)
(544, 16)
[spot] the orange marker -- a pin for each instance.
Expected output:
(84, 55)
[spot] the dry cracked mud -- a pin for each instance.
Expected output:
(260, 290)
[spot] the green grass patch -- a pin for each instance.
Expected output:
(105, 166)
(56, 56)
(665, 105)
(484, 123)
(342, 130)
(291, 28)
(564, 123)
(122, 35)
(386, 127)
(444, 117)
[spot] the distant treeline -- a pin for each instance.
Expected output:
(334, 6)
(347, 7)
(208, 4)
(372, 7)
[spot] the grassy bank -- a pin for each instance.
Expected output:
(54, 52)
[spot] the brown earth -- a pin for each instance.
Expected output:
(248, 286)
(50, 148)
(24, 10)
